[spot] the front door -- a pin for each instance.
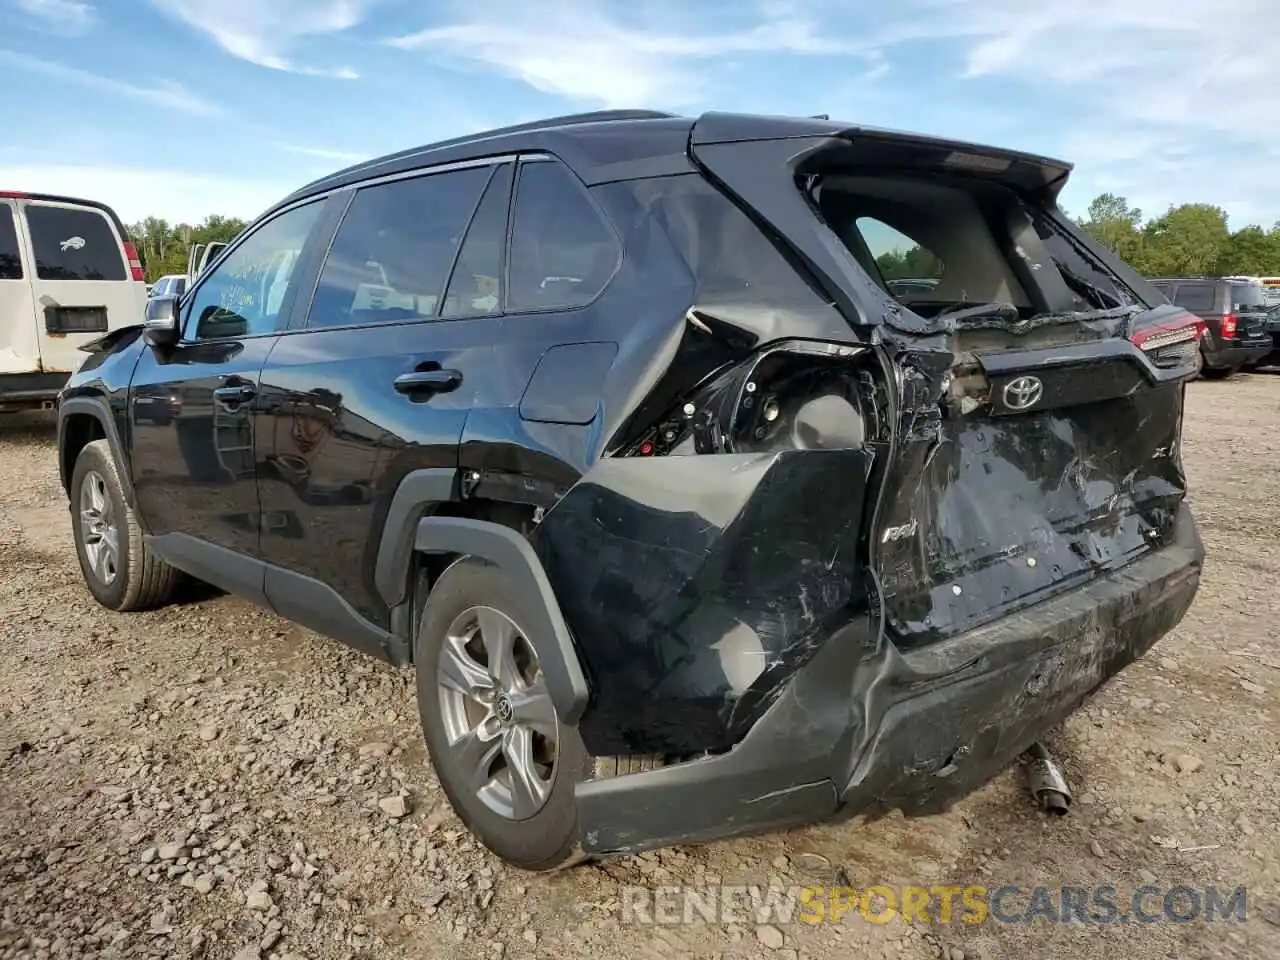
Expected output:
(380, 381)
(192, 404)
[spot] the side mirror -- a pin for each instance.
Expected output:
(161, 326)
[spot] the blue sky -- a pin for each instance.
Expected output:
(180, 108)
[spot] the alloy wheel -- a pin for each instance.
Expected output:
(498, 717)
(100, 531)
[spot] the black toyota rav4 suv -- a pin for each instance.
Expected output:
(610, 427)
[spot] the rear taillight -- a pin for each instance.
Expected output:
(12, 195)
(1229, 325)
(1171, 343)
(135, 265)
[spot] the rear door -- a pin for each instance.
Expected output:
(19, 335)
(81, 279)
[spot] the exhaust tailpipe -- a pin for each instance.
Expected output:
(1046, 781)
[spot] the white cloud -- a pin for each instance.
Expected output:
(1176, 98)
(137, 192)
(65, 16)
(161, 93)
(264, 31)
(1171, 99)
(323, 153)
(579, 50)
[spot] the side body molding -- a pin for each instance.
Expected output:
(512, 553)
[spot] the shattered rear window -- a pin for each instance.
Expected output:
(909, 229)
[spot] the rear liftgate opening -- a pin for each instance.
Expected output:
(1039, 397)
(1039, 404)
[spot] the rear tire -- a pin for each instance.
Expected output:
(1217, 373)
(119, 568)
(545, 837)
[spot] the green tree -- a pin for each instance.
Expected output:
(1251, 251)
(1187, 241)
(1116, 225)
(164, 247)
(915, 263)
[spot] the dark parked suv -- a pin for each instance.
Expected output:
(610, 426)
(1235, 312)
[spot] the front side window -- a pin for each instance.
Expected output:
(562, 251)
(10, 257)
(74, 243)
(245, 294)
(392, 254)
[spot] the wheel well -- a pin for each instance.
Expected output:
(426, 569)
(78, 431)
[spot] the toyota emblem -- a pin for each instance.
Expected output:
(1022, 393)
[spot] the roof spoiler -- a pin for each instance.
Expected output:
(873, 146)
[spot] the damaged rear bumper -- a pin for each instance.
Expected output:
(864, 728)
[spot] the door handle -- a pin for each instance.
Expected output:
(234, 396)
(428, 381)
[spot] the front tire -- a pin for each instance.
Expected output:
(504, 759)
(119, 568)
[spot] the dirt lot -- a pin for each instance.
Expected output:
(205, 779)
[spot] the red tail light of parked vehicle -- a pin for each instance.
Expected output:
(135, 264)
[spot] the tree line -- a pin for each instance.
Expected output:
(163, 247)
(1188, 240)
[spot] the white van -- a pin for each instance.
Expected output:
(68, 274)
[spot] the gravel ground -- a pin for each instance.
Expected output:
(210, 780)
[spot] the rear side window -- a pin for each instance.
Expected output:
(10, 259)
(1195, 297)
(392, 254)
(74, 244)
(562, 251)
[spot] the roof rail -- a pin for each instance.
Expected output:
(595, 116)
